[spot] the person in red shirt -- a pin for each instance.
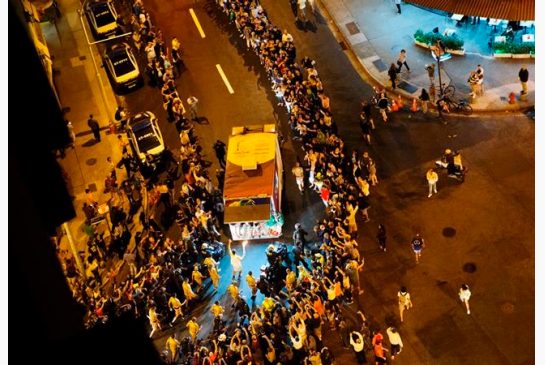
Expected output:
(324, 193)
(379, 352)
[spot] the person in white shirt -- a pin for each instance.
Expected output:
(465, 294)
(236, 260)
(356, 340)
(396, 345)
(299, 174)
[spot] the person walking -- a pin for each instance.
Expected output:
(299, 238)
(193, 104)
(172, 345)
(402, 60)
(424, 100)
(432, 178)
(299, 174)
(193, 328)
(372, 168)
(523, 77)
(404, 301)
(396, 345)
(236, 260)
(153, 320)
(392, 73)
(221, 150)
(381, 237)
(464, 295)
(301, 15)
(365, 127)
(417, 244)
(95, 127)
(176, 306)
(383, 104)
(398, 6)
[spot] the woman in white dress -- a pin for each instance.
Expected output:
(464, 295)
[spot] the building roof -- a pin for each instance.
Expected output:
(496, 9)
(252, 149)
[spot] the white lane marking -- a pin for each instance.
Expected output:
(224, 78)
(197, 24)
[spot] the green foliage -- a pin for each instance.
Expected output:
(514, 47)
(451, 42)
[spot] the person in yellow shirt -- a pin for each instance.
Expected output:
(193, 328)
(291, 278)
(210, 262)
(214, 276)
(268, 304)
(188, 292)
(197, 277)
(432, 178)
(252, 284)
(172, 345)
(153, 320)
(216, 309)
(232, 289)
(175, 305)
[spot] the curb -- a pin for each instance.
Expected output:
(407, 98)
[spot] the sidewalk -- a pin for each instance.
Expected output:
(375, 33)
(78, 88)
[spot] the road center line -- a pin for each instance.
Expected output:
(197, 24)
(224, 78)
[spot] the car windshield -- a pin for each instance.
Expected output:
(121, 63)
(103, 15)
(145, 136)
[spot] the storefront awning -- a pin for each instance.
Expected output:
(496, 9)
(247, 213)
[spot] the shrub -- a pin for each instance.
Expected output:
(514, 47)
(451, 42)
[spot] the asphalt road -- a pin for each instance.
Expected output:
(479, 232)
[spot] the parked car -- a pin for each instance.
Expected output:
(122, 68)
(102, 18)
(145, 136)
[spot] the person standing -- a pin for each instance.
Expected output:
(432, 178)
(392, 73)
(402, 60)
(356, 340)
(193, 104)
(396, 345)
(383, 103)
(398, 6)
(95, 127)
(221, 150)
(417, 245)
(301, 15)
(404, 301)
(424, 100)
(372, 168)
(365, 127)
(252, 284)
(523, 77)
(299, 174)
(381, 237)
(431, 73)
(236, 260)
(153, 320)
(193, 328)
(464, 295)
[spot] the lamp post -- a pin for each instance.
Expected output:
(89, 44)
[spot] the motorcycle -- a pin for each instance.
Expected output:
(453, 171)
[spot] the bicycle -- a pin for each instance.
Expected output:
(447, 104)
(448, 91)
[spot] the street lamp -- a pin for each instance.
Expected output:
(89, 44)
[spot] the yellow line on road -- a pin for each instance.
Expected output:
(194, 16)
(224, 78)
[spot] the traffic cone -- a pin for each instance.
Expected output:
(414, 107)
(394, 107)
(399, 102)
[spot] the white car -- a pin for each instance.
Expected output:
(102, 18)
(122, 68)
(145, 136)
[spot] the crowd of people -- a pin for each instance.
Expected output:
(166, 277)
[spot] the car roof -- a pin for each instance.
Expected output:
(141, 120)
(118, 51)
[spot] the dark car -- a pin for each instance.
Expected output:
(145, 136)
(102, 18)
(122, 68)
